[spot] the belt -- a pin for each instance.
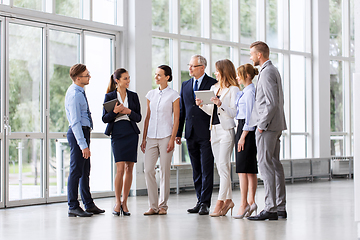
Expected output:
(86, 128)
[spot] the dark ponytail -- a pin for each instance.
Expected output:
(167, 71)
(116, 75)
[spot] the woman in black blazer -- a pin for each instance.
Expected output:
(124, 134)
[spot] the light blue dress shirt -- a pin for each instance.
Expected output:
(244, 104)
(76, 108)
(199, 81)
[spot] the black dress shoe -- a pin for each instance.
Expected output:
(282, 214)
(123, 212)
(264, 215)
(95, 210)
(204, 209)
(79, 212)
(194, 209)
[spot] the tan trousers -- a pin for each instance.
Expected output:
(222, 144)
(154, 149)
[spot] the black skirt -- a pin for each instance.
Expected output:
(246, 159)
(124, 142)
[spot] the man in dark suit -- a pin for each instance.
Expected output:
(197, 133)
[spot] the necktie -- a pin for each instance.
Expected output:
(195, 87)
(88, 111)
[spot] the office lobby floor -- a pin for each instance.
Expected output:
(318, 210)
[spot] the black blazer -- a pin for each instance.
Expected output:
(134, 106)
(196, 119)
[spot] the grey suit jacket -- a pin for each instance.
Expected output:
(268, 112)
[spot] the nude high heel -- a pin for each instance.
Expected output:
(246, 211)
(225, 210)
(253, 208)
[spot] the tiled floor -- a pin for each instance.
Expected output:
(319, 210)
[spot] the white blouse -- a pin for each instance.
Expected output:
(126, 104)
(161, 112)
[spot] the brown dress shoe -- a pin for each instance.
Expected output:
(150, 212)
(162, 211)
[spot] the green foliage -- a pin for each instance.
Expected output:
(23, 105)
(272, 15)
(160, 15)
(220, 12)
(31, 4)
(248, 19)
(69, 8)
(59, 83)
(190, 17)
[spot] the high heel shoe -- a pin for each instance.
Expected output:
(123, 212)
(246, 211)
(214, 214)
(115, 213)
(253, 208)
(225, 210)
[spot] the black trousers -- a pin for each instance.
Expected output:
(79, 173)
(202, 161)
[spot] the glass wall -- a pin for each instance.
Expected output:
(341, 52)
(38, 59)
(104, 11)
(225, 34)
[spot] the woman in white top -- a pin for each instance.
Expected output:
(160, 128)
(222, 126)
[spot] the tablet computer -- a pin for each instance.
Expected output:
(109, 106)
(205, 96)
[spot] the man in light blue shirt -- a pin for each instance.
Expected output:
(78, 135)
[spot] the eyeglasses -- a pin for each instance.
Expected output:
(193, 66)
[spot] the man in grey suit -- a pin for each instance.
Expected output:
(268, 116)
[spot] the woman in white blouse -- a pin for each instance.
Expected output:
(160, 128)
(222, 124)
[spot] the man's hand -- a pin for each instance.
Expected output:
(178, 140)
(260, 131)
(86, 153)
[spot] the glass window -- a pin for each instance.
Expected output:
(245, 56)
(219, 53)
(272, 23)
(352, 29)
(31, 4)
(298, 146)
(160, 15)
(337, 145)
(335, 22)
(220, 19)
(70, 8)
(98, 60)
(64, 50)
(59, 166)
(248, 21)
(297, 93)
(336, 96)
(104, 11)
(188, 49)
(160, 55)
(101, 165)
(25, 171)
(297, 25)
(190, 17)
(25, 86)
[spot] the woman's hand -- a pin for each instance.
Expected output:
(118, 107)
(170, 146)
(241, 144)
(216, 101)
(143, 145)
(198, 102)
